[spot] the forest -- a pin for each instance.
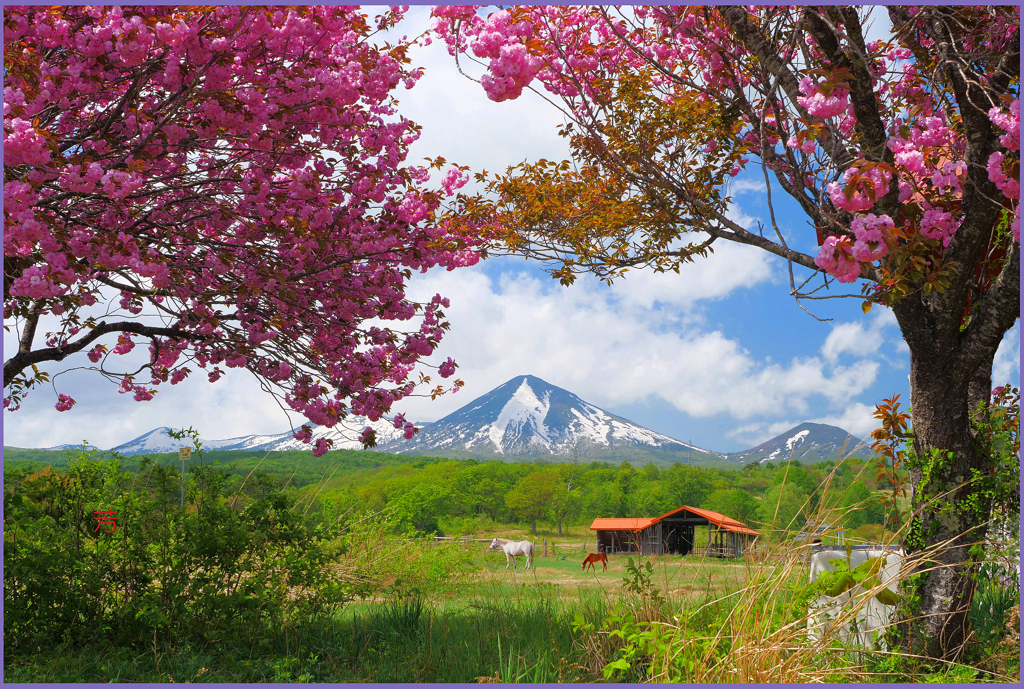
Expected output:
(439, 496)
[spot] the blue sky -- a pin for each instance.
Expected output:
(720, 355)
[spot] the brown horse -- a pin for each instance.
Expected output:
(593, 558)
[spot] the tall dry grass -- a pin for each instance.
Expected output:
(760, 631)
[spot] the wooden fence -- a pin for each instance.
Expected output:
(541, 548)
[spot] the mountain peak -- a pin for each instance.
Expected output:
(807, 442)
(527, 416)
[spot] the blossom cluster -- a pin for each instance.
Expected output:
(238, 170)
(579, 53)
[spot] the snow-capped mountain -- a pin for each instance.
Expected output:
(526, 418)
(809, 443)
(530, 418)
(345, 436)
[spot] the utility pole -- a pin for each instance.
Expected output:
(184, 454)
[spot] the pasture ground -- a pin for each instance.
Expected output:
(501, 625)
(516, 624)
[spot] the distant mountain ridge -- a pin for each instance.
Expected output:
(528, 419)
(809, 443)
(345, 436)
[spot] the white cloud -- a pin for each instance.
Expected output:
(857, 337)
(232, 406)
(851, 337)
(461, 124)
(730, 267)
(856, 419)
(742, 185)
(753, 434)
(610, 351)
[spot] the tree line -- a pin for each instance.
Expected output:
(425, 495)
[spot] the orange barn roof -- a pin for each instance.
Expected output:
(639, 524)
(719, 520)
(713, 517)
(622, 524)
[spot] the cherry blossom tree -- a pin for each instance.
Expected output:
(227, 186)
(903, 154)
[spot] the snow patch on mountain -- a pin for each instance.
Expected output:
(345, 436)
(524, 410)
(796, 439)
(808, 443)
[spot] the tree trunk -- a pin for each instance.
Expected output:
(946, 508)
(559, 527)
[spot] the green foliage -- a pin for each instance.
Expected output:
(783, 507)
(844, 578)
(991, 606)
(421, 494)
(859, 507)
(531, 497)
(210, 570)
(734, 502)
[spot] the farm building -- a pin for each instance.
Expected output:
(674, 532)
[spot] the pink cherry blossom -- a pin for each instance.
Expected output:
(454, 180)
(818, 104)
(240, 174)
(938, 224)
(1008, 122)
(835, 258)
(447, 369)
(868, 188)
(581, 55)
(870, 231)
(1009, 186)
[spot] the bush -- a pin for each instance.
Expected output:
(201, 571)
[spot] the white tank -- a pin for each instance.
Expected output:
(835, 616)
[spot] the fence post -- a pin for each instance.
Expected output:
(545, 547)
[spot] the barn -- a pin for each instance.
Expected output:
(627, 535)
(674, 533)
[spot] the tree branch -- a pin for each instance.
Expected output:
(22, 360)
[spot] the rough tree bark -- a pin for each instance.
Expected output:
(950, 385)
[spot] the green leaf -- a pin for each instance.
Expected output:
(887, 597)
(841, 583)
(868, 568)
(610, 668)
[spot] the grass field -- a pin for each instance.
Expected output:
(515, 624)
(501, 625)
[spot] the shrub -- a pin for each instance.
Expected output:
(203, 570)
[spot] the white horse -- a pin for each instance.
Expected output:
(513, 549)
